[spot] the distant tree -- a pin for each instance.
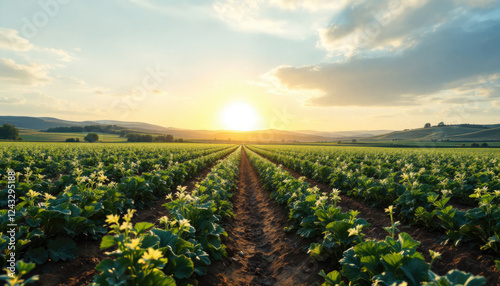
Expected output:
(427, 125)
(484, 145)
(354, 140)
(441, 124)
(91, 137)
(339, 142)
(164, 138)
(9, 131)
(461, 145)
(72, 140)
(179, 140)
(474, 145)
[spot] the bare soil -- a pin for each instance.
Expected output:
(259, 251)
(466, 257)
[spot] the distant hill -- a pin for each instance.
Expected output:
(483, 135)
(345, 134)
(40, 123)
(43, 123)
(489, 132)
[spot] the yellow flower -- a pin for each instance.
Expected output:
(152, 254)
(48, 197)
(434, 254)
(110, 219)
(133, 244)
(126, 225)
(389, 209)
(163, 220)
(32, 194)
(129, 215)
(355, 230)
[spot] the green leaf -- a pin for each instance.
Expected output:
(24, 268)
(149, 240)
(392, 261)
(108, 241)
(457, 277)
(142, 227)
(62, 248)
(332, 279)
(157, 278)
(38, 255)
(406, 242)
(183, 267)
(416, 270)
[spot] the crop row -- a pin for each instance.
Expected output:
(417, 197)
(393, 261)
(48, 225)
(187, 241)
(39, 161)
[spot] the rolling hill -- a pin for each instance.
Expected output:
(452, 133)
(43, 123)
(470, 133)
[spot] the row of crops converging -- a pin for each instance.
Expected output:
(65, 193)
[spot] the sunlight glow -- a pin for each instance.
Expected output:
(239, 116)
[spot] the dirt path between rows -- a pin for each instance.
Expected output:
(468, 258)
(260, 252)
(81, 271)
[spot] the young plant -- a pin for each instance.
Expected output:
(137, 261)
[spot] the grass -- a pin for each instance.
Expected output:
(37, 136)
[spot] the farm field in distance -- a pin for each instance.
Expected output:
(251, 215)
(38, 136)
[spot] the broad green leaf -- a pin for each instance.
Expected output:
(142, 227)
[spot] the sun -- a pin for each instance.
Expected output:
(239, 116)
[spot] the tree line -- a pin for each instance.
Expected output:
(136, 137)
(111, 129)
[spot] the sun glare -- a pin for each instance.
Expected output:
(239, 116)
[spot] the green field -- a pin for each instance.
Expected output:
(37, 136)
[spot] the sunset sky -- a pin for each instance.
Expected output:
(298, 64)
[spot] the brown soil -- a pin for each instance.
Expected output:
(260, 252)
(466, 258)
(81, 271)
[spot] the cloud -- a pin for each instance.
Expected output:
(248, 16)
(62, 54)
(14, 100)
(10, 40)
(292, 19)
(312, 5)
(445, 59)
(390, 25)
(32, 74)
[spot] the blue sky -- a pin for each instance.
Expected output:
(324, 65)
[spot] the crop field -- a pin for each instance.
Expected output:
(223, 214)
(38, 136)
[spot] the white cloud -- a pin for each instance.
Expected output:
(247, 16)
(390, 25)
(312, 5)
(32, 74)
(10, 40)
(13, 100)
(62, 54)
(463, 62)
(293, 19)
